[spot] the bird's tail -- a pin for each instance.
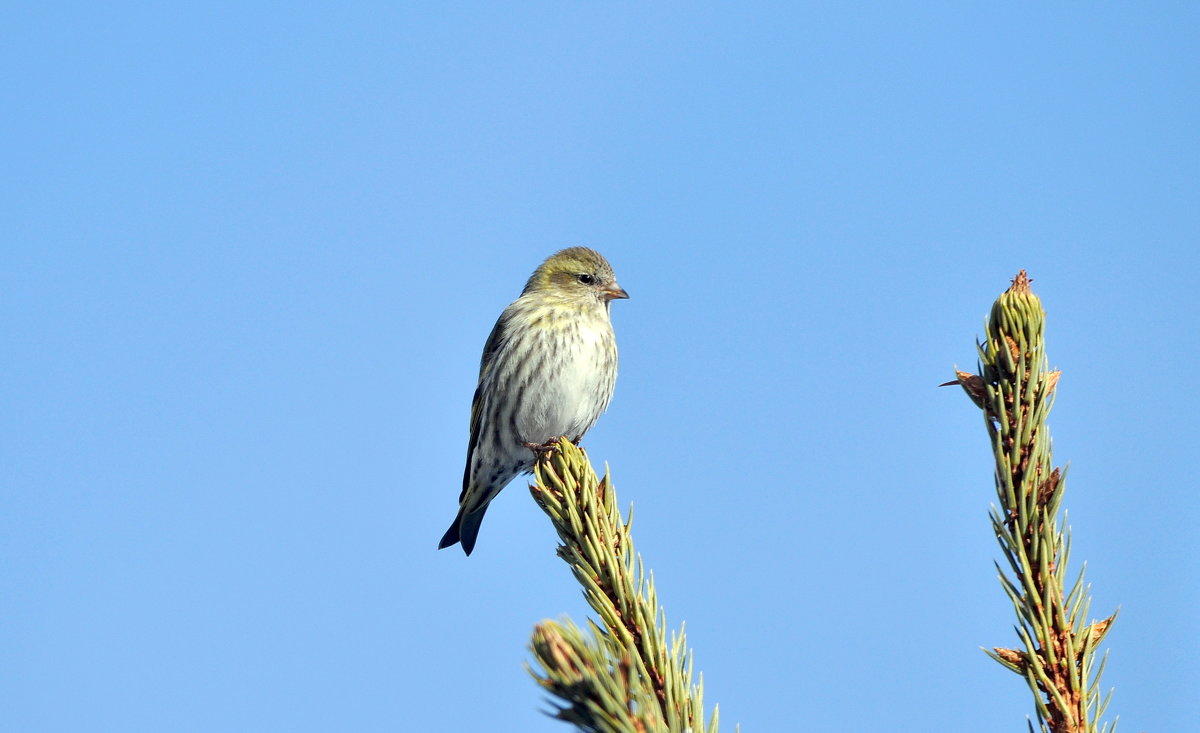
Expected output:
(464, 529)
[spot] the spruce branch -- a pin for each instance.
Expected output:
(622, 675)
(1015, 390)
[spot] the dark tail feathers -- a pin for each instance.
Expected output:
(464, 529)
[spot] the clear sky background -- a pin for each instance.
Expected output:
(251, 253)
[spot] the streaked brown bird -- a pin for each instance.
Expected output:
(548, 371)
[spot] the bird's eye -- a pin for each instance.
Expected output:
(585, 278)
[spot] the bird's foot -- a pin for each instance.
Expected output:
(541, 449)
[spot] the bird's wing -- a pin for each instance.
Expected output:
(494, 342)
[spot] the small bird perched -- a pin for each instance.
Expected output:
(548, 371)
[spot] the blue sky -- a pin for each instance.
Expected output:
(252, 253)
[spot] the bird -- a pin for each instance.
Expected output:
(548, 371)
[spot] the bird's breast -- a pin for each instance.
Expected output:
(571, 384)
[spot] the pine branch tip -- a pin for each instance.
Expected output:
(1020, 283)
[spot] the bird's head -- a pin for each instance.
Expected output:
(577, 273)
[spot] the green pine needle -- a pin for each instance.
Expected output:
(1015, 390)
(622, 675)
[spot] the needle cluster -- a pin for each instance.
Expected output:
(1015, 390)
(621, 675)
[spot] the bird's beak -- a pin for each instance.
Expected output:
(613, 292)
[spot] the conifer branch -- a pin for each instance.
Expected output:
(1015, 390)
(622, 675)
